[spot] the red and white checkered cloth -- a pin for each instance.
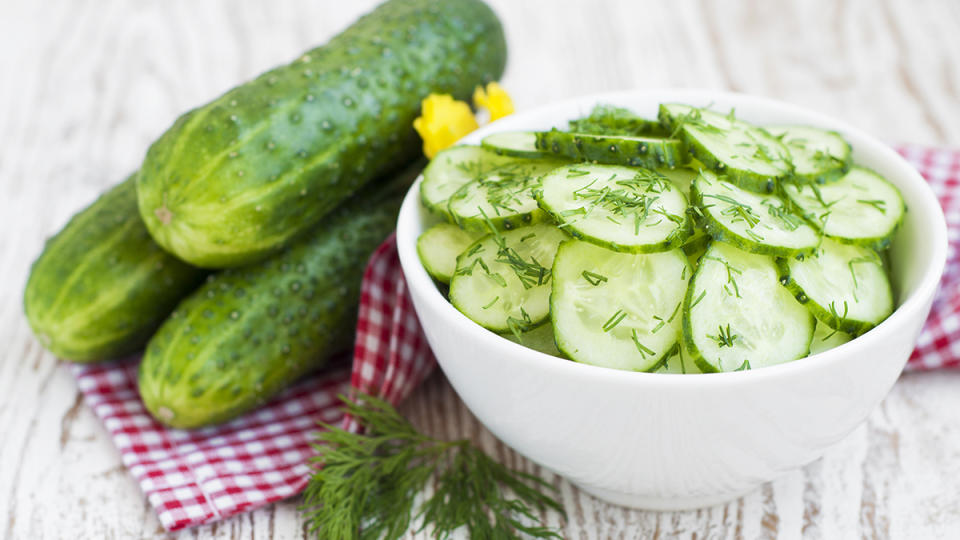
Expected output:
(195, 477)
(201, 476)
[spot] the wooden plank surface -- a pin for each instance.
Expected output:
(86, 85)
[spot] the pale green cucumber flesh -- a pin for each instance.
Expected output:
(539, 339)
(521, 144)
(620, 208)
(453, 168)
(817, 155)
(826, 338)
(439, 246)
(737, 315)
(502, 198)
(502, 281)
(749, 155)
(844, 285)
(754, 222)
(860, 208)
(617, 310)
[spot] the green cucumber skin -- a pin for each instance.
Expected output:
(237, 179)
(612, 150)
(249, 332)
(102, 285)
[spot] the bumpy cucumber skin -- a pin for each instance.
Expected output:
(102, 285)
(240, 177)
(613, 150)
(249, 332)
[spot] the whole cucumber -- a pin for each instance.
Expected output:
(237, 179)
(249, 332)
(102, 285)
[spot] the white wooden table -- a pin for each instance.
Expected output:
(85, 86)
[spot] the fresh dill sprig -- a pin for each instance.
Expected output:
(641, 348)
(365, 484)
(878, 204)
(614, 320)
(593, 278)
(724, 337)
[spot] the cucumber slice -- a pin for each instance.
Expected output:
(539, 339)
(503, 197)
(623, 209)
(826, 338)
(521, 144)
(680, 363)
(751, 221)
(844, 285)
(450, 169)
(439, 246)
(859, 208)
(617, 310)
(750, 156)
(650, 152)
(817, 155)
(681, 177)
(611, 120)
(502, 281)
(736, 315)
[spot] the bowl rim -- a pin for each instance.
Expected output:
(912, 306)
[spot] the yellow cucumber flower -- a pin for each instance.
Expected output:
(442, 121)
(494, 99)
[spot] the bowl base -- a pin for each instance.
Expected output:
(660, 504)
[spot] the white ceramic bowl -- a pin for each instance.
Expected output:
(668, 442)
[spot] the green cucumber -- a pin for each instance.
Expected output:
(539, 339)
(754, 222)
(617, 310)
(453, 168)
(682, 177)
(502, 198)
(826, 338)
(237, 179)
(860, 208)
(439, 246)
(844, 285)
(102, 285)
(249, 332)
(620, 208)
(750, 156)
(502, 281)
(817, 155)
(521, 144)
(650, 152)
(611, 120)
(736, 314)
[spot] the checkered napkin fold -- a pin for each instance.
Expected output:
(202, 476)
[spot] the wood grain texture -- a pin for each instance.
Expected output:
(87, 85)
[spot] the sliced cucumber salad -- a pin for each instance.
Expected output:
(694, 243)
